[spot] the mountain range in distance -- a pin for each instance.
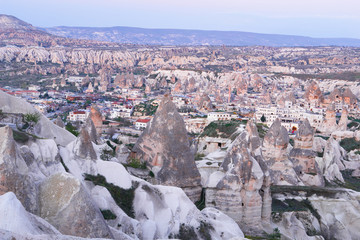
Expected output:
(136, 35)
(16, 31)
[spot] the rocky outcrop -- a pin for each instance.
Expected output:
(59, 122)
(67, 206)
(275, 155)
(331, 163)
(83, 147)
(329, 124)
(91, 129)
(242, 188)
(14, 172)
(313, 94)
(303, 157)
(343, 120)
(44, 128)
(96, 118)
(14, 218)
(165, 147)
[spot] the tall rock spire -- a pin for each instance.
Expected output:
(165, 147)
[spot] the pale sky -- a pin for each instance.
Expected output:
(314, 18)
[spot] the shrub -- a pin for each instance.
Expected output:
(108, 214)
(31, 118)
(199, 156)
(72, 129)
(20, 136)
(123, 197)
(350, 144)
(136, 163)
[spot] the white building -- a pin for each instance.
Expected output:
(218, 116)
(78, 116)
(141, 123)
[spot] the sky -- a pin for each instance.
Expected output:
(314, 18)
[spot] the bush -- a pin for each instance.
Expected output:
(350, 144)
(223, 129)
(199, 156)
(136, 163)
(108, 214)
(123, 197)
(72, 129)
(31, 118)
(20, 136)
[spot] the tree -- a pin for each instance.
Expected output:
(263, 118)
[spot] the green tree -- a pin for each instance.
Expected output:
(263, 118)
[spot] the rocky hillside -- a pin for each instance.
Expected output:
(14, 31)
(194, 37)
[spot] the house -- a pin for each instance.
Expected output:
(141, 123)
(78, 116)
(218, 116)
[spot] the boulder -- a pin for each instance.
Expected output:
(68, 207)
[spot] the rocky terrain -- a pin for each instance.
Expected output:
(194, 37)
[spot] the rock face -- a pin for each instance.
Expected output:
(242, 188)
(164, 146)
(303, 157)
(16, 219)
(313, 94)
(83, 147)
(59, 122)
(275, 144)
(329, 125)
(14, 171)
(66, 205)
(343, 120)
(91, 129)
(331, 163)
(96, 118)
(44, 128)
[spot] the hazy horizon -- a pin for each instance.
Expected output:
(320, 19)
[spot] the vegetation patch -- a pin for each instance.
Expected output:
(123, 197)
(20, 136)
(205, 230)
(201, 203)
(186, 232)
(350, 181)
(136, 163)
(223, 129)
(199, 156)
(292, 205)
(72, 129)
(108, 214)
(350, 144)
(262, 129)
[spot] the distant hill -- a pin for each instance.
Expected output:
(194, 37)
(14, 31)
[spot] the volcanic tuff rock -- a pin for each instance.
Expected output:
(343, 120)
(303, 157)
(14, 171)
(67, 206)
(164, 146)
(59, 122)
(96, 118)
(329, 125)
(331, 163)
(44, 128)
(243, 191)
(274, 151)
(313, 94)
(83, 147)
(91, 129)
